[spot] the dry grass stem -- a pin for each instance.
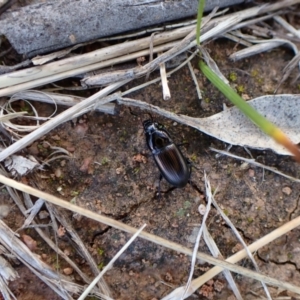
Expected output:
(61, 284)
(29, 78)
(78, 244)
(195, 80)
(164, 82)
(60, 99)
(265, 45)
(257, 164)
(141, 86)
(65, 74)
(228, 264)
(212, 64)
(239, 237)
(287, 26)
(94, 57)
(110, 264)
(61, 118)
(216, 253)
(198, 238)
(43, 235)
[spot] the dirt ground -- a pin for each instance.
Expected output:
(104, 176)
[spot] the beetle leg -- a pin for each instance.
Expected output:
(183, 144)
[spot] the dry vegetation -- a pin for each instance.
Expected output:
(78, 179)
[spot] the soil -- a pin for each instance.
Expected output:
(111, 172)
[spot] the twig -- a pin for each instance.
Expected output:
(141, 86)
(237, 234)
(263, 46)
(65, 74)
(287, 26)
(216, 253)
(110, 264)
(80, 61)
(195, 80)
(164, 82)
(171, 245)
(253, 162)
(288, 70)
(196, 246)
(60, 99)
(63, 117)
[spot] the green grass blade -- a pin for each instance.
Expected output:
(201, 6)
(231, 95)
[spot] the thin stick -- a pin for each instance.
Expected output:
(141, 86)
(195, 80)
(287, 26)
(110, 264)
(65, 74)
(171, 245)
(164, 81)
(237, 234)
(196, 246)
(211, 244)
(60, 99)
(253, 162)
(97, 56)
(63, 117)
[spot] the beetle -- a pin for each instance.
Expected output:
(172, 164)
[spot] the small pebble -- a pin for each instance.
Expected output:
(58, 172)
(4, 211)
(251, 173)
(29, 241)
(168, 277)
(85, 165)
(55, 137)
(61, 231)
(202, 209)
(43, 214)
(46, 145)
(67, 252)
(287, 190)
(68, 271)
(119, 170)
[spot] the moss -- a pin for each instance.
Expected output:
(240, 89)
(100, 266)
(226, 212)
(187, 204)
(74, 193)
(104, 161)
(100, 251)
(180, 212)
(254, 73)
(232, 77)
(136, 170)
(193, 158)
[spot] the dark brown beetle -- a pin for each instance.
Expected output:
(170, 161)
